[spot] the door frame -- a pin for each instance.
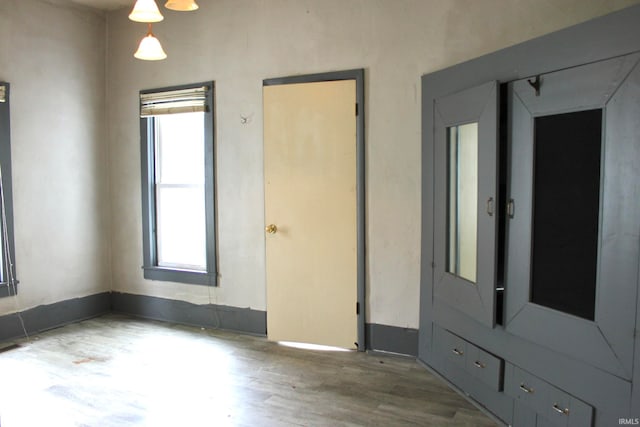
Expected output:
(358, 76)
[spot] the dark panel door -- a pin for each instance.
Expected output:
(572, 237)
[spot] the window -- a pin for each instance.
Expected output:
(176, 127)
(8, 282)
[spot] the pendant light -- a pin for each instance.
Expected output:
(150, 48)
(146, 11)
(181, 5)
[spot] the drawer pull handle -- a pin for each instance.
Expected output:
(457, 352)
(526, 389)
(559, 410)
(479, 364)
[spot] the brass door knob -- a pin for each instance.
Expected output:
(271, 229)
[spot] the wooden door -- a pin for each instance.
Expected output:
(311, 204)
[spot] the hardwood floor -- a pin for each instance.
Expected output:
(121, 371)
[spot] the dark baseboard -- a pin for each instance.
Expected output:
(209, 315)
(51, 316)
(378, 337)
(392, 339)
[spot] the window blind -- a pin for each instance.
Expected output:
(3, 93)
(174, 101)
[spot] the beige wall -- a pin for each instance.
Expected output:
(238, 43)
(54, 59)
(69, 185)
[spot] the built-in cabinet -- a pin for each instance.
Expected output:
(531, 226)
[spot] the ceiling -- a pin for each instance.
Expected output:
(105, 4)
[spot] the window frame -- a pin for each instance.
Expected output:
(152, 271)
(7, 289)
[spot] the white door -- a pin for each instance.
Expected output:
(311, 212)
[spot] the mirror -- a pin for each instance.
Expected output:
(462, 193)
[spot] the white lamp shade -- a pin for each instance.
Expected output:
(146, 11)
(181, 5)
(150, 49)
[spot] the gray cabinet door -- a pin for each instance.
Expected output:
(465, 201)
(604, 338)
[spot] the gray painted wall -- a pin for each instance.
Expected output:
(54, 58)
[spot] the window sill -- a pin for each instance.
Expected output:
(191, 277)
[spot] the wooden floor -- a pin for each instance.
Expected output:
(119, 371)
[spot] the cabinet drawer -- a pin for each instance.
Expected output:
(566, 410)
(557, 407)
(526, 388)
(485, 367)
(452, 347)
(476, 362)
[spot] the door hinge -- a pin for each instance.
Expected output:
(357, 112)
(358, 308)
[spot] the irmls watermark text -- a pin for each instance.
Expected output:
(629, 421)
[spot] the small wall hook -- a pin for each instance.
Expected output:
(245, 120)
(535, 84)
